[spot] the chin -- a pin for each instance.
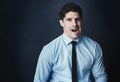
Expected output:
(74, 37)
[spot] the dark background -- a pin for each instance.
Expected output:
(27, 25)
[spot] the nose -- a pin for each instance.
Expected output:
(74, 22)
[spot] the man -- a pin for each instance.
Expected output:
(55, 61)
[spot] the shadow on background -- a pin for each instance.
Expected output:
(27, 25)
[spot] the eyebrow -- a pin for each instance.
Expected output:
(78, 18)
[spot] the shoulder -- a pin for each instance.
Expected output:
(53, 44)
(48, 51)
(90, 43)
(54, 41)
(88, 40)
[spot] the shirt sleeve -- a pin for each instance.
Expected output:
(98, 69)
(44, 65)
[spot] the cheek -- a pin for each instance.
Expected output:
(67, 26)
(66, 29)
(79, 24)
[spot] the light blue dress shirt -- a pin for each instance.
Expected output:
(55, 61)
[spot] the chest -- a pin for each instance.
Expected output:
(64, 59)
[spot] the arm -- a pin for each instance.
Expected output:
(44, 65)
(98, 69)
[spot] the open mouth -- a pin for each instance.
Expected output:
(74, 30)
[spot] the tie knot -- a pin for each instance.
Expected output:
(73, 42)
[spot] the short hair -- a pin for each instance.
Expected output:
(70, 7)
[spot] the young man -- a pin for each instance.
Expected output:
(55, 61)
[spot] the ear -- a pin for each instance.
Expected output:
(61, 23)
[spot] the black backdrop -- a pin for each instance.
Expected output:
(27, 25)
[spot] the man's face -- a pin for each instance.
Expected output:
(71, 24)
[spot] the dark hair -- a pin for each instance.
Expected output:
(69, 7)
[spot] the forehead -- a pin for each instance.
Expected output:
(72, 15)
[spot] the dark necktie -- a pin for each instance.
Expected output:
(74, 64)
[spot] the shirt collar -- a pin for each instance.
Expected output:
(68, 40)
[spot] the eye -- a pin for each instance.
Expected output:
(78, 19)
(69, 19)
